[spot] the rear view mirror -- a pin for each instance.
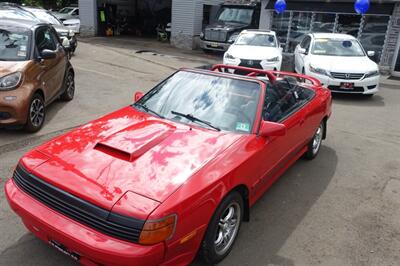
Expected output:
(48, 54)
(271, 129)
(138, 95)
(371, 53)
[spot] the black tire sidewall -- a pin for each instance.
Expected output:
(207, 252)
(29, 126)
(65, 96)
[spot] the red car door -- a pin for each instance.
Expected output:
(280, 106)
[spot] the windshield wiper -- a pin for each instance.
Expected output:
(144, 107)
(195, 119)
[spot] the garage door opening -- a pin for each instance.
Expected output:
(141, 18)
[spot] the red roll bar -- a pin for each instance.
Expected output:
(272, 75)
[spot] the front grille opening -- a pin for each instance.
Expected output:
(112, 224)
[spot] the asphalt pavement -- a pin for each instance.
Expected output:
(340, 209)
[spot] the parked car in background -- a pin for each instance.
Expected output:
(255, 48)
(34, 71)
(67, 13)
(231, 19)
(73, 24)
(64, 32)
(339, 61)
(172, 175)
(14, 11)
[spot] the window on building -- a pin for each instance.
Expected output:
(323, 22)
(301, 25)
(280, 25)
(349, 24)
(373, 34)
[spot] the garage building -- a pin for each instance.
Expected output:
(378, 30)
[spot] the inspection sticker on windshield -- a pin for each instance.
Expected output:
(243, 127)
(22, 48)
(21, 53)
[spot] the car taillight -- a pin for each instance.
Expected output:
(156, 231)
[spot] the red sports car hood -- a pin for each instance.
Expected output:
(128, 151)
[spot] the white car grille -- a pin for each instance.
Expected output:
(349, 76)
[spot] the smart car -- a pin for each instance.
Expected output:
(34, 71)
(174, 174)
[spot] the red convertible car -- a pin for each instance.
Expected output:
(174, 174)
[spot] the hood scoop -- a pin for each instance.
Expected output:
(134, 141)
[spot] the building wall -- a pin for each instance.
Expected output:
(88, 17)
(391, 39)
(187, 18)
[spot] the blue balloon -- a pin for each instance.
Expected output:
(280, 6)
(361, 6)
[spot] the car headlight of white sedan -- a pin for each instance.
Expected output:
(229, 56)
(273, 59)
(320, 71)
(371, 74)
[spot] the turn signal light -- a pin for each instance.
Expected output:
(156, 231)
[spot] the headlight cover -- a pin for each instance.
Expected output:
(371, 74)
(229, 56)
(273, 59)
(10, 81)
(319, 71)
(201, 35)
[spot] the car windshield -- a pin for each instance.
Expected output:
(337, 47)
(238, 15)
(66, 10)
(13, 44)
(224, 103)
(45, 16)
(256, 39)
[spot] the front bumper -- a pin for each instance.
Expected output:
(215, 46)
(14, 106)
(92, 246)
(363, 86)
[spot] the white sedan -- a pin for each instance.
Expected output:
(256, 49)
(339, 62)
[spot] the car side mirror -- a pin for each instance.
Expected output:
(138, 95)
(271, 129)
(48, 54)
(371, 53)
(302, 50)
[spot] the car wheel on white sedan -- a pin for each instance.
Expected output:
(223, 229)
(315, 144)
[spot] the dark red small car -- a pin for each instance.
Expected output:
(175, 173)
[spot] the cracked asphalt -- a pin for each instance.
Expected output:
(343, 208)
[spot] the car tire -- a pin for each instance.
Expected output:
(69, 87)
(220, 236)
(315, 144)
(36, 114)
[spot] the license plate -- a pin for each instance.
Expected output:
(346, 86)
(215, 45)
(63, 249)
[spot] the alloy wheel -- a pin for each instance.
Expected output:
(36, 112)
(228, 227)
(317, 139)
